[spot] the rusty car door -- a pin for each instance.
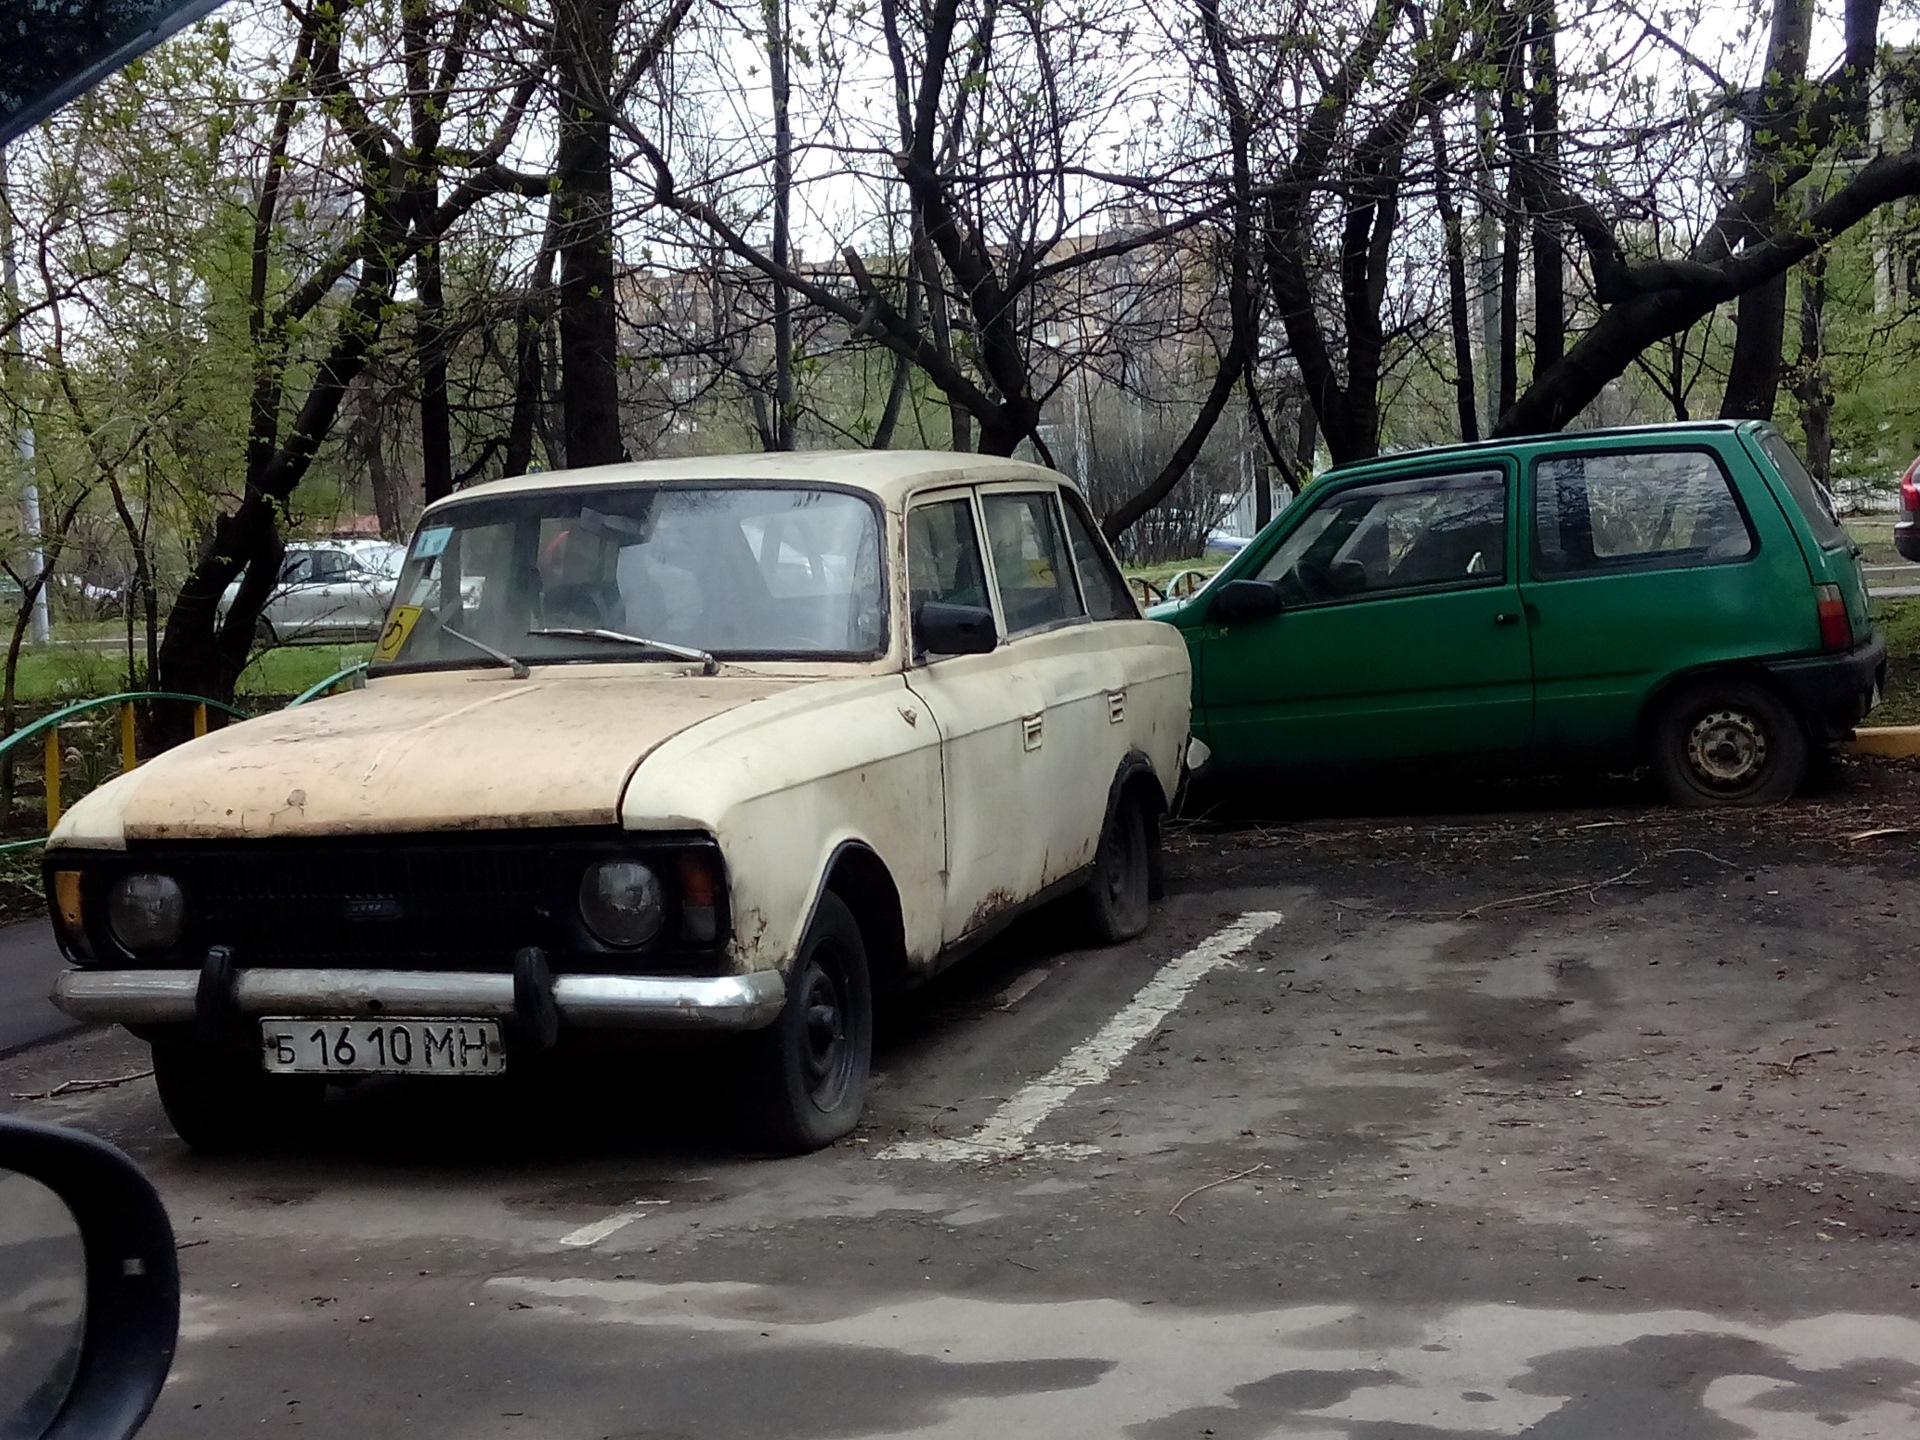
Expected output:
(991, 716)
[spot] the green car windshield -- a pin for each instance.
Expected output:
(735, 570)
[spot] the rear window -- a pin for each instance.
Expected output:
(1808, 493)
(1634, 510)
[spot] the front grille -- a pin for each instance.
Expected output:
(452, 902)
(440, 907)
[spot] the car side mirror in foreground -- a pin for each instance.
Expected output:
(1244, 600)
(943, 629)
(89, 1287)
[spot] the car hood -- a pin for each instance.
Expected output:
(413, 753)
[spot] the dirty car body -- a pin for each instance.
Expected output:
(724, 744)
(1679, 596)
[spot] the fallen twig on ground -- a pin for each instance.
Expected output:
(1788, 1069)
(1539, 897)
(1876, 834)
(1213, 1184)
(80, 1087)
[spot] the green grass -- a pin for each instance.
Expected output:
(1159, 575)
(1166, 570)
(292, 668)
(63, 673)
(1900, 623)
(1875, 536)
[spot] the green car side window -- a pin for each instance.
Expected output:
(1435, 531)
(1635, 510)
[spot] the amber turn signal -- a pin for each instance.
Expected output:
(66, 896)
(699, 898)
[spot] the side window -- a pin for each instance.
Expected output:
(1634, 510)
(1808, 493)
(296, 569)
(1030, 564)
(1396, 535)
(329, 566)
(1106, 591)
(943, 556)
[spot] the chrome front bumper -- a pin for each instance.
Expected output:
(162, 997)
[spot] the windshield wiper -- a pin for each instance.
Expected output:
(708, 664)
(513, 663)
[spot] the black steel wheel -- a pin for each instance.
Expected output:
(218, 1100)
(1119, 892)
(806, 1073)
(1729, 742)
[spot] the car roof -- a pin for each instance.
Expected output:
(1507, 445)
(889, 475)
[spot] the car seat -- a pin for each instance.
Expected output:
(584, 605)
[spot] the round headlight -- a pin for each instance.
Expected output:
(622, 902)
(146, 912)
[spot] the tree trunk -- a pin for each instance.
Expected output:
(1549, 250)
(779, 50)
(959, 418)
(430, 349)
(199, 656)
(388, 502)
(1487, 258)
(589, 335)
(1458, 315)
(1753, 378)
(1510, 242)
(1812, 385)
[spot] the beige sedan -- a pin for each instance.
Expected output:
(723, 744)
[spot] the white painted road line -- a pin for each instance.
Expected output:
(1010, 1129)
(600, 1229)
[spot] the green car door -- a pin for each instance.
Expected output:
(1400, 634)
(1646, 561)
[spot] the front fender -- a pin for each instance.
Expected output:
(788, 784)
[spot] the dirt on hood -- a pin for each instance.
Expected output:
(428, 752)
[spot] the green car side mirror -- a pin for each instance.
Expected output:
(1244, 600)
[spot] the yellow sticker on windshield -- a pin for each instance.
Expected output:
(399, 626)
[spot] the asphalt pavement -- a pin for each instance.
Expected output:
(1573, 1126)
(28, 962)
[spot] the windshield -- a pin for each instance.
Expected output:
(736, 570)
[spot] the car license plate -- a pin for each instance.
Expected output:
(398, 1046)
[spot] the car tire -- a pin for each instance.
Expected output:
(218, 1101)
(264, 635)
(806, 1073)
(1118, 898)
(1729, 742)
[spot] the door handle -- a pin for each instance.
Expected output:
(1506, 617)
(1030, 730)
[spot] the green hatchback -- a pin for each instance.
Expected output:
(1677, 595)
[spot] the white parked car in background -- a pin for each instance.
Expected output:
(722, 744)
(329, 590)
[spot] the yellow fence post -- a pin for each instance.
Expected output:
(128, 759)
(53, 777)
(199, 721)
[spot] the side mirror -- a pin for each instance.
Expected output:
(1244, 600)
(89, 1287)
(943, 629)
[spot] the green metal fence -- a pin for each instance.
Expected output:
(47, 729)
